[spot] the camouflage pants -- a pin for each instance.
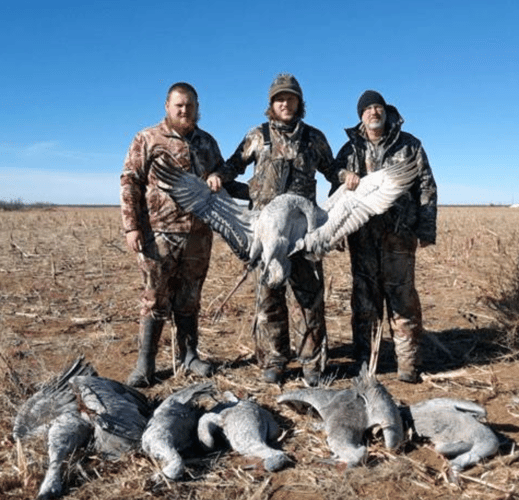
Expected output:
(174, 268)
(383, 269)
(271, 331)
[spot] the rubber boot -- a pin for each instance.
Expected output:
(150, 330)
(274, 374)
(406, 337)
(187, 339)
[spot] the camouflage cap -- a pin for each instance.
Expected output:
(285, 82)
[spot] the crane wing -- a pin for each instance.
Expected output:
(349, 210)
(117, 408)
(232, 221)
(53, 399)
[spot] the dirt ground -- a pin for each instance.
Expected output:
(69, 287)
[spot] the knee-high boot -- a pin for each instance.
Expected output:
(187, 339)
(150, 330)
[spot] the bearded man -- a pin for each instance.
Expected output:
(286, 153)
(383, 250)
(173, 247)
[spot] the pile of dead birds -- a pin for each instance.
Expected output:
(80, 410)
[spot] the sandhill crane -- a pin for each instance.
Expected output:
(173, 428)
(454, 428)
(74, 408)
(290, 222)
(247, 427)
(347, 414)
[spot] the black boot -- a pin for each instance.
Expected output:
(274, 374)
(187, 339)
(150, 330)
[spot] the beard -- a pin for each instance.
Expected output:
(376, 125)
(182, 126)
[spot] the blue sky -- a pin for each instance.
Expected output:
(79, 79)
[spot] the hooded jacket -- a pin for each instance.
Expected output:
(416, 209)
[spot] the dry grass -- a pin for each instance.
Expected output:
(69, 287)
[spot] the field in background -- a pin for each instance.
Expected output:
(69, 287)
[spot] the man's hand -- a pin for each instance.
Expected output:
(134, 240)
(351, 179)
(214, 182)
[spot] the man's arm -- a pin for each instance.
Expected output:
(427, 210)
(131, 192)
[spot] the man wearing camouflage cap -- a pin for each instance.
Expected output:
(383, 251)
(286, 153)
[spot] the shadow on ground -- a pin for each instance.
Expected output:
(441, 351)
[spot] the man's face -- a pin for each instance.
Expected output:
(182, 110)
(374, 117)
(285, 106)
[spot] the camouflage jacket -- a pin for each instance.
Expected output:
(416, 209)
(144, 205)
(287, 165)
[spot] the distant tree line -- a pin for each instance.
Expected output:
(19, 204)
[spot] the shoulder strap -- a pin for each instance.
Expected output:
(305, 135)
(266, 134)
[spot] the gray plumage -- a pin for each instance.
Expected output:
(74, 408)
(289, 223)
(53, 412)
(347, 414)
(347, 211)
(67, 433)
(381, 410)
(173, 428)
(55, 397)
(118, 413)
(247, 427)
(454, 427)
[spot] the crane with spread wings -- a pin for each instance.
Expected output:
(289, 223)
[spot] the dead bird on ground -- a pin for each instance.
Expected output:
(347, 415)
(173, 428)
(247, 427)
(455, 429)
(75, 408)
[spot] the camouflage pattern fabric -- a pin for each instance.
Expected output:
(281, 166)
(287, 165)
(144, 205)
(415, 210)
(383, 266)
(174, 267)
(177, 247)
(383, 251)
(271, 332)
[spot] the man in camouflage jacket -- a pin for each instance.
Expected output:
(173, 247)
(383, 251)
(286, 153)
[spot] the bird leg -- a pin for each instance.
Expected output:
(218, 314)
(375, 349)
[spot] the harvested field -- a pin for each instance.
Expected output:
(70, 288)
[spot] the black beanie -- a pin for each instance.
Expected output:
(367, 99)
